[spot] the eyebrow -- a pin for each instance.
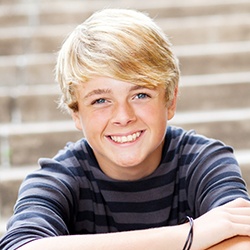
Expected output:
(97, 92)
(136, 87)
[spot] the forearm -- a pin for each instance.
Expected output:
(158, 238)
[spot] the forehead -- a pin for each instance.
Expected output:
(100, 85)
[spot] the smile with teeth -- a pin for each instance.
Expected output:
(123, 139)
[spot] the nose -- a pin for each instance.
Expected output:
(123, 114)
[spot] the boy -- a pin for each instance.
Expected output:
(132, 181)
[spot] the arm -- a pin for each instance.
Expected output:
(213, 227)
(214, 178)
(159, 238)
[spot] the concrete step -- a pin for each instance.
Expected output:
(38, 103)
(231, 126)
(214, 91)
(27, 69)
(214, 58)
(206, 29)
(195, 59)
(201, 29)
(3, 223)
(23, 144)
(10, 181)
(58, 12)
(30, 104)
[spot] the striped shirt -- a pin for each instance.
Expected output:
(71, 195)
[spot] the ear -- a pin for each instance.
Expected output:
(77, 119)
(172, 105)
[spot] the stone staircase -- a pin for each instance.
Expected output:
(211, 39)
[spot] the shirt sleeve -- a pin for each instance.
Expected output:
(45, 206)
(213, 176)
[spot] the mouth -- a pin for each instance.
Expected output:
(127, 138)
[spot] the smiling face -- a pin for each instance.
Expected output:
(124, 124)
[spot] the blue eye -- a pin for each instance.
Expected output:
(99, 101)
(142, 95)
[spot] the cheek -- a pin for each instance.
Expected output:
(95, 121)
(154, 113)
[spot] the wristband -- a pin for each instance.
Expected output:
(189, 239)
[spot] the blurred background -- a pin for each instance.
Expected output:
(211, 39)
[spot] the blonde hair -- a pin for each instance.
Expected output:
(118, 43)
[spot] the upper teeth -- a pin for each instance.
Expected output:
(129, 138)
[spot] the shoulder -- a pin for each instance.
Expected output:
(58, 177)
(182, 136)
(70, 166)
(73, 156)
(206, 167)
(188, 141)
(194, 152)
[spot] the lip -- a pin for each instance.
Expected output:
(128, 138)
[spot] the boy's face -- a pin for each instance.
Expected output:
(124, 124)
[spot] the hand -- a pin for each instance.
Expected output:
(235, 243)
(222, 223)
